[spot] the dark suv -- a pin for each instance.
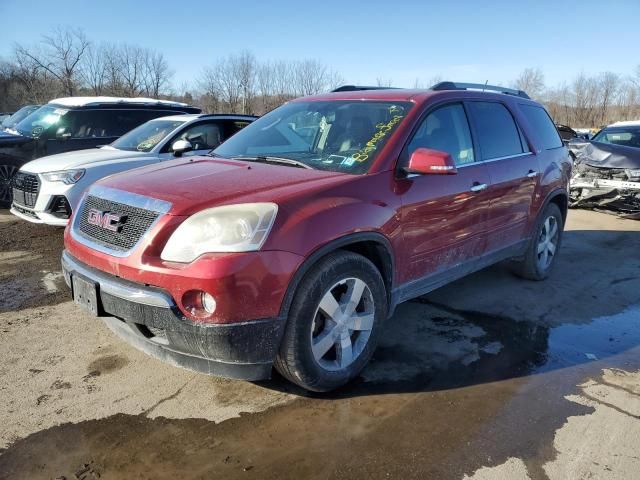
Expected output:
(295, 240)
(75, 123)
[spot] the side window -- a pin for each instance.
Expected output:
(203, 136)
(445, 129)
(93, 123)
(498, 134)
(542, 124)
(127, 120)
(234, 126)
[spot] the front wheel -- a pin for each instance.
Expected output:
(333, 323)
(6, 176)
(543, 246)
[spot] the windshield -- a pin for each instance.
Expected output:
(340, 136)
(17, 117)
(40, 120)
(147, 135)
(626, 136)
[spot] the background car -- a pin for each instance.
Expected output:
(10, 122)
(75, 123)
(46, 190)
(607, 170)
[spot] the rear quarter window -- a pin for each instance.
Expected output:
(541, 122)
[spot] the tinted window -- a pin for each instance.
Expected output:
(109, 123)
(91, 123)
(542, 124)
(445, 129)
(497, 132)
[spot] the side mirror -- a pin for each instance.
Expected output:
(63, 134)
(426, 161)
(181, 146)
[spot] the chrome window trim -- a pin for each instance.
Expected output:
(133, 199)
(525, 154)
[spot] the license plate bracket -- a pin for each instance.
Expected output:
(85, 294)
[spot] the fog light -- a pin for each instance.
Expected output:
(208, 302)
(199, 303)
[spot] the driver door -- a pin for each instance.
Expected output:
(445, 216)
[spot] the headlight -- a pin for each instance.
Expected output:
(231, 228)
(66, 176)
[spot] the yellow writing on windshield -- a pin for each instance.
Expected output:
(382, 129)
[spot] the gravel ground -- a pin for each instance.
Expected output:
(490, 377)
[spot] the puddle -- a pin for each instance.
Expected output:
(448, 392)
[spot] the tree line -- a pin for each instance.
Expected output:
(588, 100)
(66, 63)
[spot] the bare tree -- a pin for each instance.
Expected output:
(156, 73)
(531, 80)
(94, 70)
(59, 54)
(608, 86)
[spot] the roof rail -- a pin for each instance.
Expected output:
(478, 86)
(353, 88)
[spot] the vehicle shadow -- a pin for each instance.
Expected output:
(493, 326)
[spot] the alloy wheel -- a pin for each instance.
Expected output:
(548, 242)
(6, 175)
(342, 324)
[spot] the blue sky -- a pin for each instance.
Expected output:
(397, 40)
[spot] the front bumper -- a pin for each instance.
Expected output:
(33, 216)
(148, 318)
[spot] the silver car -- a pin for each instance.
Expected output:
(47, 190)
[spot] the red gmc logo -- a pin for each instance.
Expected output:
(108, 220)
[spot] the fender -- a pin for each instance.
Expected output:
(332, 246)
(557, 192)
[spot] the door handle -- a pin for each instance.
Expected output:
(532, 174)
(478, 187)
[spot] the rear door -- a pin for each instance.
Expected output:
(444, 216)
(513, 170)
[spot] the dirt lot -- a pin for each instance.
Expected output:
(490, 377)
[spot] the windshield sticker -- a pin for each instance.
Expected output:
(60, 111)
(382, 130)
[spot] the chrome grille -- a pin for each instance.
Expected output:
(135, 222)
(25, 189)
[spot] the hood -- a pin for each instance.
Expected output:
(79, 159)
(201, 182)
(604, 155)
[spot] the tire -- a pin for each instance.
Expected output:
(334, 277)
(6, 174)
(539, 259)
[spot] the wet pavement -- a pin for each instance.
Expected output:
(490, 377)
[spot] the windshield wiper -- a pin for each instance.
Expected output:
(267, 159)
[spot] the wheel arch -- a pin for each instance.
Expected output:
(560, 197)
(372, 245)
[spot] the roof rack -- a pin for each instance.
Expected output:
(478, 86)
(354, 88)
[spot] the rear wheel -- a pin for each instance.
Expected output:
(543, 247)
(333, 323)
(6, 175)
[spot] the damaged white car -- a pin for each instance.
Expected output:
(607, 171)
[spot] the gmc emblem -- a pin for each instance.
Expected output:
(108, 220)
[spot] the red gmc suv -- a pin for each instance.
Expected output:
(292, 243)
